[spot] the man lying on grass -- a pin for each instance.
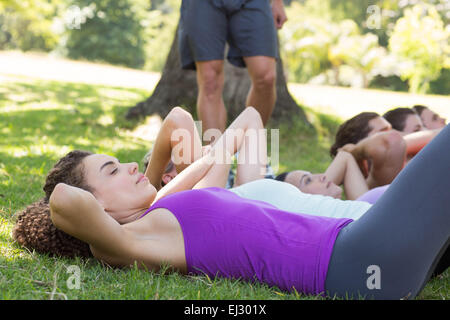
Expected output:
(381, 153)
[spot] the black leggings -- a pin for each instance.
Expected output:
(391, 251)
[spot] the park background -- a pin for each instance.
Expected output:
(71, 70)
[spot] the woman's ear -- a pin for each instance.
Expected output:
(166, 178)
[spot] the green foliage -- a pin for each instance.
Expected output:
(34, 117)
(421, 41)
(29, 24)
(304, 43)
(160, 27)
(314, 46)
(108, 30)
(346, 43)
(338, 42)
(442, 84)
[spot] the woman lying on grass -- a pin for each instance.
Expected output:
(210, 230)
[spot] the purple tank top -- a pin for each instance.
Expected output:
(229, 236)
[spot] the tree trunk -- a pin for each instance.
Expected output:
(178, 87)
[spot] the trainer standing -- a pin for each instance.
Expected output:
(249, 28)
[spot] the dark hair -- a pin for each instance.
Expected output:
(169, 167)
(419, 109)
(353, 130)
(34, 228)
(282, 176)
(69, 170)
(397, 117)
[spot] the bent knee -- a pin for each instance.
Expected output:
(255, 116)
(179, 116)
(265, 79)
(210, 78)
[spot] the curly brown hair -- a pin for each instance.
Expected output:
(34, 228)
(353, 130)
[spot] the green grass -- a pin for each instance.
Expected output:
(40, 121)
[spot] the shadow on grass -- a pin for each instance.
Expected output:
(303, 147)
(40, 120)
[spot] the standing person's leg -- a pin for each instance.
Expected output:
(203, 32)
(391, 251)
(210, 106)
(262, 94)
(253, 44)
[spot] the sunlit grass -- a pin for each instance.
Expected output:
(40, 121)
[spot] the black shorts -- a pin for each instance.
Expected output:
(207, 25)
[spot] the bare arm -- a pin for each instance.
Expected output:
(79, 214)
(345, 171)
(387, 153)
(177, 133)
(212, 169)
(188, 178)
(243, 134)
(417, 140)
(279, 15)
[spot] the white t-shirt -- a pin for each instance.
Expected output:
(287, 197)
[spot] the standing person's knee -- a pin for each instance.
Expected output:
(265, 79)
(211, 79)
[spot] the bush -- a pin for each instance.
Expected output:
(160, 27)
(442, 84)
(29, 24)
(420, 39)
(108, 30)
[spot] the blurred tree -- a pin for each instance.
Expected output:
(160, 26)
(305, 40)
(107, 30)
(29, 24)
(379, 16)
(420, 39)
(362, 53)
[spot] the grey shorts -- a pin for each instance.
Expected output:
(207, 25)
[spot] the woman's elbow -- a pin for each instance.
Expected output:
(56, 202)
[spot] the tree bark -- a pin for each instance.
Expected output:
(178, 87)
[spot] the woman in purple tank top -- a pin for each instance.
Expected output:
(118, 213)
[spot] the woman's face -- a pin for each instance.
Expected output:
(313, 183)
(413, 123)
(432, 120)
(119, 187)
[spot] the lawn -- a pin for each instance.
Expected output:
(41, 120)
